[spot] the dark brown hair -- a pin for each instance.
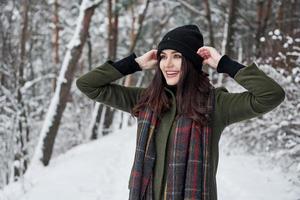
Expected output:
(192, 92)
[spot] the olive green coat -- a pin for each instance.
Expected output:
(263, 94)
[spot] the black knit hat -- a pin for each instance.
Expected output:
(186, 40)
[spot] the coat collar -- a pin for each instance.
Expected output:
(171, 89)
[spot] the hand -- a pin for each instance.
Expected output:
(210, 56)
(148, 60)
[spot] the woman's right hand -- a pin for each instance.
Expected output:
(210, 56)
(148, 60)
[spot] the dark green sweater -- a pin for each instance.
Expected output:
(263, 94)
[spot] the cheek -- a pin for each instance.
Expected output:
(160, 64)
(161, 68)
(179, 65)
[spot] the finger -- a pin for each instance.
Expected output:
(207, 53)
(201, 51)
(204, 55)
(204, 52)
(154, 53)
(203, 48)
(152, 64)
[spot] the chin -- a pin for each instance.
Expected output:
(172, 83)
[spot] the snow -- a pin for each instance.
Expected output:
(289, 40)
(29, 84)
(99, 170)
(285, 45)
(243, 177)
(270, 33)
(51, 111)
(75, 41)
(92, 120)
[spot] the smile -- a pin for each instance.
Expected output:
(171, 74)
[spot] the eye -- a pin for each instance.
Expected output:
(177, 56)
(162, 56)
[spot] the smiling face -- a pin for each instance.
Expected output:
(170, 65)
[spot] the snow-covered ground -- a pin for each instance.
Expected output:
(100, 170)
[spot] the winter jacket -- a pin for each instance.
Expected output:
(263, 94)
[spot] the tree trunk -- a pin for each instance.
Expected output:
(134, 38)
(90, 51)
(211, 33)
(227, 43)
(55, 41)
(141, 21)
(113, 20)
(113, 14)
(263, 12)
(209, 23)
(21, 156)
(229, 46)
(95, 126)
(58, 103)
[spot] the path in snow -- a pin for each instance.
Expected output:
(100, 171)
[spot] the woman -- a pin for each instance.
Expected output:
(180, 114)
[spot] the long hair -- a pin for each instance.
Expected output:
(192, 92)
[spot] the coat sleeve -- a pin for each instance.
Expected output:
(263, 94)
(97, 85)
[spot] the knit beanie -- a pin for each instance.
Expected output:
(185, 39)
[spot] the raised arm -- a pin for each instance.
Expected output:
(97, 84)
(263, 93)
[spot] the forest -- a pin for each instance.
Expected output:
(45, 45)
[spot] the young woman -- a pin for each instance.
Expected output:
(180, 114)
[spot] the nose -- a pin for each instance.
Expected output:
(169, 62)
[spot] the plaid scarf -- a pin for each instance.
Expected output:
(189, 164)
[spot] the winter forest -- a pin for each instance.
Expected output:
(55, 143)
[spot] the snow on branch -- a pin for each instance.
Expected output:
(29, 84)
(86, 4)
(190, 7)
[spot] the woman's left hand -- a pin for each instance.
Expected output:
(210, 56)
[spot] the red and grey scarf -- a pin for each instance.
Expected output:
(189, 167)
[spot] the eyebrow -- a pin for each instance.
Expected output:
(173, 51)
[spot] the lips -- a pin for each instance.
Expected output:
(171, 74)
